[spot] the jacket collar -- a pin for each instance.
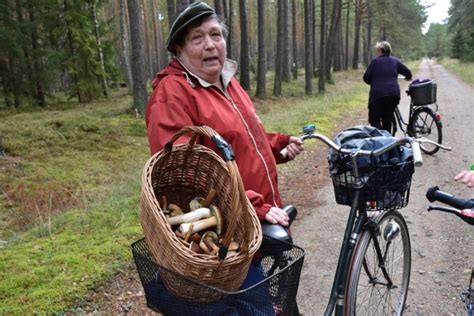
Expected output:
(228, 71)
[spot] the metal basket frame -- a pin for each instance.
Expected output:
(383, 187)
(278, 287)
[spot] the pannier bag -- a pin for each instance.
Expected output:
(422, 91)
(387, 177)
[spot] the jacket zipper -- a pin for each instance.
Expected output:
(254, 143)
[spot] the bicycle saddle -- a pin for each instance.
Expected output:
(278, 233)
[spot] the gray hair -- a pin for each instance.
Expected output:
(384, 47)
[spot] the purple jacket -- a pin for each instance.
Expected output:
(382, 75)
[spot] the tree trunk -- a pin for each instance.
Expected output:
(338, 48)
(230, 36)
(331, 53)
(156, 38)
(100, 56)
(28, 68)
(368, 45)
(13, 80)
(285, 74)
(37, 64)
(218, 7)
(358, 21)
(262, 61)
(294, 39)
(313, 37)
(171, 6)
(346, 55)
(322, 50)
(72, 50)
(125, 52)
(6, 91)
(244, 47)
(138, 56)
(181, 5)
(279, 50)
(308, 47)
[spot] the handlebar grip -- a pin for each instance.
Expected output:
(284, 153)
(434, 194)
(417, 159)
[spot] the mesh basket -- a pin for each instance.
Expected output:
(422, 92)
(182, 173)
(386, 186)
(273, 293)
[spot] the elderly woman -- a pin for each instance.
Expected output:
(198, 88)
(384, 96)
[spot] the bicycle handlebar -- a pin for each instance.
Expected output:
(435, 194)
(415, 142)
(460, 207)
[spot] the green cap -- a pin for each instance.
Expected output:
(192, 13)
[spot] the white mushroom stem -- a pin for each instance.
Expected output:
(193, 216)
(199, 225)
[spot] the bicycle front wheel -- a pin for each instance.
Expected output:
(379, 273)
(425, 124)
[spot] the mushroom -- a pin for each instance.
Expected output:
(199, 202)
(195, 237)
(175, 210)
(195, 247)
(215, 220)
(193, 216)
(233, 246)
(164, 204)
(189, 232)
(208, 243)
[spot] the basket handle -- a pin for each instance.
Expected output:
(224, 147)
(237, 187)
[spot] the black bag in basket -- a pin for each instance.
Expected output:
(388, 176)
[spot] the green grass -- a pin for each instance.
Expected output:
(465, 70)
(69, 208)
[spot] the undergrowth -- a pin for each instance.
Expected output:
(69, 208)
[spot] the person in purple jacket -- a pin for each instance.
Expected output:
(382, 76)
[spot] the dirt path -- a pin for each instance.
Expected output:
(442, 247)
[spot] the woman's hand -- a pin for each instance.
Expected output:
(294, 147)
(277, 216)
(467, 177)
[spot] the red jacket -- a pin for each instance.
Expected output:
(180, 99)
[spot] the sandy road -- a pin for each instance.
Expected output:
(442, 245)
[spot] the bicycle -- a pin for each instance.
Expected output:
(423, 121)
(373, 269)
(464, 209)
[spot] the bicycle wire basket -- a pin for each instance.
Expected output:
(274, 294)
(385, 186)
(181, 173)
(422, 92)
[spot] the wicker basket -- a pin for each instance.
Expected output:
(181, 173)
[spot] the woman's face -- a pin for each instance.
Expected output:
(204, 50)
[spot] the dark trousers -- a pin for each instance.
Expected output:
(381, 112)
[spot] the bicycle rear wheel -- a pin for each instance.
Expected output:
(380, 287)
(425, 124)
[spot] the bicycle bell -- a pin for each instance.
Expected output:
(309, 129)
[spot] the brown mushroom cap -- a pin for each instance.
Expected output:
(209, 240)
